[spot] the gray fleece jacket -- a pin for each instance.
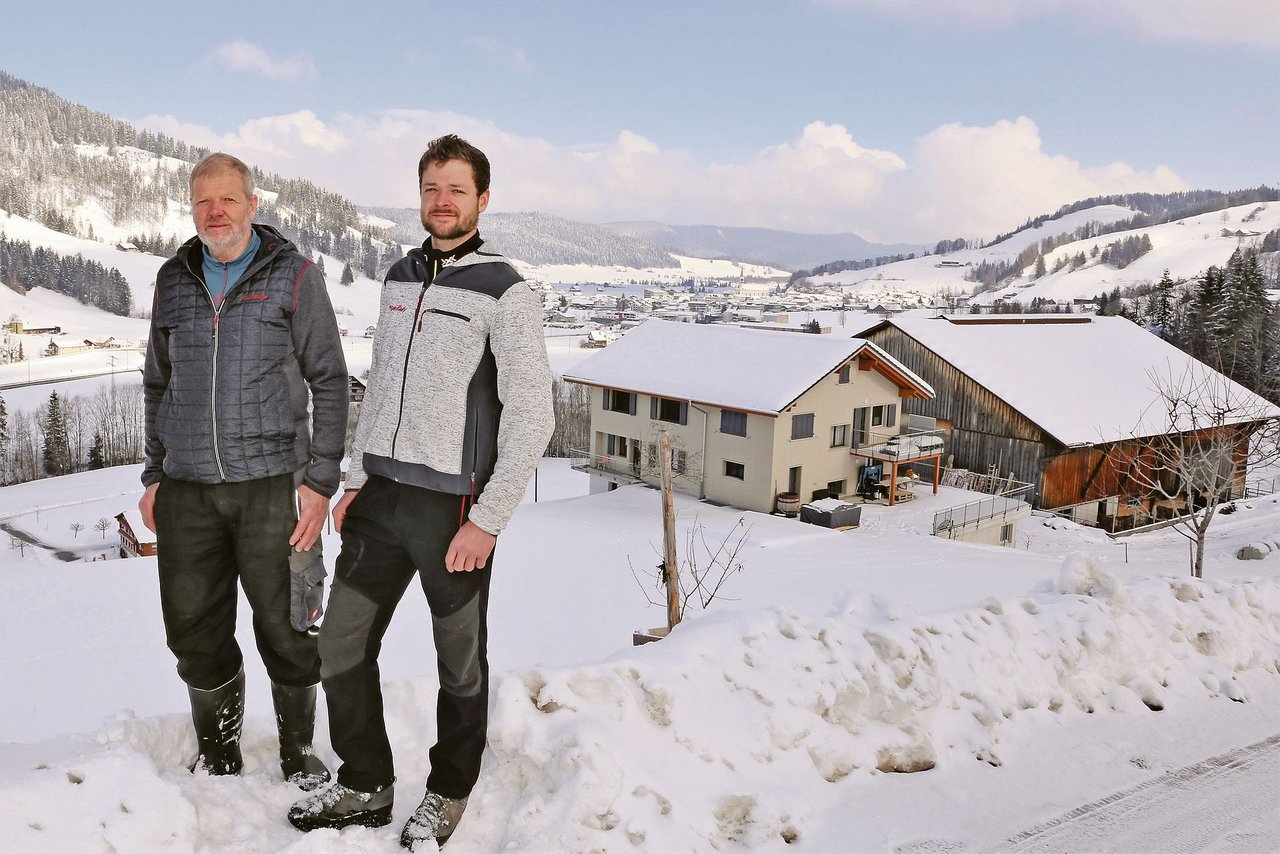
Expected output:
(459, 395)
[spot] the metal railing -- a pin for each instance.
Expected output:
(899, 444)
(1258, 488)
(976, 512)
(586, 461)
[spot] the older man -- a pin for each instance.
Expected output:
(238, 473)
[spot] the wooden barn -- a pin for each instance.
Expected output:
(1061, 401)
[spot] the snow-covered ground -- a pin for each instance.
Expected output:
(1021, 683)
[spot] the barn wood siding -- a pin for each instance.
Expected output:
(985, 430)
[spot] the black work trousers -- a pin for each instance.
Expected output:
(208, 536)
(392, 532)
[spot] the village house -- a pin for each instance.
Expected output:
(751, 414)
(1061, 401)
(135, 539)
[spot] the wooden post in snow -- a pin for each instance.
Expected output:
(670, 567)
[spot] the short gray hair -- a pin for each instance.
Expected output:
(219, 160)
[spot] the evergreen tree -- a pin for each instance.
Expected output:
(4, 442)
(97, 457)
(348, 277)
(57, 447)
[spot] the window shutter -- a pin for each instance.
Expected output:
(631, 409)
(653, 408)
(609, 445)
(684, 412)
(891, 418)
(605, 398)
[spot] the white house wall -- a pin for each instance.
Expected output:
(832, 403)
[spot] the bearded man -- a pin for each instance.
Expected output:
(456, 414)
(239, 469)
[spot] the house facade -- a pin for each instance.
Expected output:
(750, 414)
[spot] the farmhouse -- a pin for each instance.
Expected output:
(751, 414)
(135, 539)
(1064, 402)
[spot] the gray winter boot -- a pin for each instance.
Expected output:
(295, 722)
(340, 806)
(218, 716)
(435, 818)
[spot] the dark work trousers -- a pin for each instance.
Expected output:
(392, 532)
(207, 537)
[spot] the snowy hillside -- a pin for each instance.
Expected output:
(1185, 248)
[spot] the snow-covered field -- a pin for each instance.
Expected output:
(1020, 683)
(1185, 248)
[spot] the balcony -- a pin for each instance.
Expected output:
(898, 446)
(612, 467)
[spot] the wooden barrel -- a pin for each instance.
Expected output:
(789, 503)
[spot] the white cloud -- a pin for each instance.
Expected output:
(1247, 22)
(959, 181)
(241, 55)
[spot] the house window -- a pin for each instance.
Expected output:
(839, 435)
(1006, 535)
(860, 417)
(836, 488)
(733, 423)
(885, 415)
(654, 462)
(843, 375)
(735, 470)
(671, 411)
(620, 401)
(802, 426)
(678, 459)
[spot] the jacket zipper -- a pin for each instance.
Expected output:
(213, 389)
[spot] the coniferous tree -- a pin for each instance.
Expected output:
(57, 447)
(97, 457)
(348, 276)
(4, 442)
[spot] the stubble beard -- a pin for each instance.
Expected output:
(463, 225)
(215, 244)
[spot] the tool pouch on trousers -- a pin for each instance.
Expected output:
(306, 584)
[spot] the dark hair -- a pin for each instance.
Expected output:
(453, 147)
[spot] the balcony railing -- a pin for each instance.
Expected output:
(614, 466)
(897, 445)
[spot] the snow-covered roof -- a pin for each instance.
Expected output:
(1084, 380)
(729, 366)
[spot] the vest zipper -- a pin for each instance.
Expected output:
(404, 376)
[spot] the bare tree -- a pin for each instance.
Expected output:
(103, 525)
(705, 566)
(76, 528)
(19, 544)
(572, 404)
(1216, 431)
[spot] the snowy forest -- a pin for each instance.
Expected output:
(22, 268)
(59, 160)
(68, 434)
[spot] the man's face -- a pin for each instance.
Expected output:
(450, 206)
(222, 213)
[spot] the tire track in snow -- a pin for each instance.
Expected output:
(1191, 809)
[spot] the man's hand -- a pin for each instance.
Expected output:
(340, 509)
(147, 506)
(470, 548)
(312, 508)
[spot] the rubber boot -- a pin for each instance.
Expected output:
(218, 716)
(295, 721)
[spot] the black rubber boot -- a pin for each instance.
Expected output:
(218, 716)
(295, 721)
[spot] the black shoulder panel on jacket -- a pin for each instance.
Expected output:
(408, 269)
(493, 279)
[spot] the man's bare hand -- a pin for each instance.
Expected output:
(147, 506)
(312, 508)
(340, 509)
(470, 548)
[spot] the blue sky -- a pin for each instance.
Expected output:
(896, 119)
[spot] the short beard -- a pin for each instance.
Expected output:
(463, 226)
